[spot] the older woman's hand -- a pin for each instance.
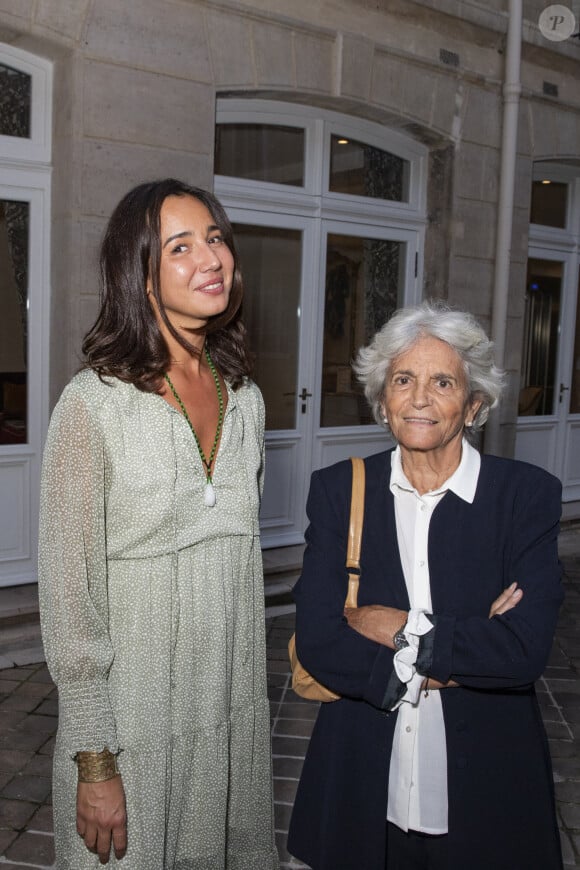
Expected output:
(376, 622)
(508, 599)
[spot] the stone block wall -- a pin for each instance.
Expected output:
(135, 91)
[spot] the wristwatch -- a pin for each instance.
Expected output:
(399, 639)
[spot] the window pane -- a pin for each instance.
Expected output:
(575, 391)
(542, 314)
(361, 170)
(271, 265)
(549, 203)
(15, 95)
(364, 286)
(13, 320)
(260, 152)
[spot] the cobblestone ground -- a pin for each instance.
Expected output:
(28, 719)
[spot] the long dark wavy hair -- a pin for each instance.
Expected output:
(125, 341)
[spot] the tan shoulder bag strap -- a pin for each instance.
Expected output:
(357, 509)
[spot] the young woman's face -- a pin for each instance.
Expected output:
(197, 267)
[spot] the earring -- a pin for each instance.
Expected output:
(469, 425)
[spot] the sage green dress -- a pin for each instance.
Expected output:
(152, 610)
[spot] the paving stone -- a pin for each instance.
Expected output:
(293, 727)
(292, 710)
(287, 767)
(47, 747)
(42, 820)
(41, 724)
(6, 838)
(38, 690)
(15, 814)
(22, 740)
(37, 848)
(39, 765)
(28, 788)
(567, 791)
(12, 761)
(42, 676)
(285, 790)
(282, 813)
(568, 856)
(48, 707)
(570, 814)
(292, 747)
(25, 703)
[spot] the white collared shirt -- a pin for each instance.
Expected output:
(418, 768)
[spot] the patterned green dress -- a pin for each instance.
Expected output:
(153, 624)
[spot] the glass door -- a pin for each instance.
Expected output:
(548, 432)
(277, 258)
(24, 199)
(309, 305)
(366, 274)
(14, 232)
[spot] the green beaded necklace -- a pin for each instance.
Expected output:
(209, 492)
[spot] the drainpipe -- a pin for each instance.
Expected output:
(511, 102)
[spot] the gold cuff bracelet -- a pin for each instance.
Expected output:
(96, 766)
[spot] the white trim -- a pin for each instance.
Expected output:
(37, 148)
(25, 176)
(316, 211)
(318, 125)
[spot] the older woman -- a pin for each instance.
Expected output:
(435, 757)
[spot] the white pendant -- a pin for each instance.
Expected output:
(209, 495)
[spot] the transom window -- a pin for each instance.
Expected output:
(15, 102)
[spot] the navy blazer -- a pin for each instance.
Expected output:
(500, 790)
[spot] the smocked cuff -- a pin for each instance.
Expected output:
(86, 722)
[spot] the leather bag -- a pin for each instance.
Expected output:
(304, 683)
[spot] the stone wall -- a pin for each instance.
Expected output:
(135, 92)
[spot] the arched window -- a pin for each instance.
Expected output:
(329, 212)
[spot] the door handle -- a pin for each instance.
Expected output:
(302, 396)
(562, 391)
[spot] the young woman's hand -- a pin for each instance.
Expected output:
(102, 817)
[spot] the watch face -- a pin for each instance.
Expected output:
(400, 640)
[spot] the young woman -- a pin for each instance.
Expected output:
(150, 565)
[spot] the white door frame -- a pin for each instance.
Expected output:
(25, 176)
(552, 441)
(292, 454)
(20, 463)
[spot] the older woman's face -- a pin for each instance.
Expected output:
(426, 398)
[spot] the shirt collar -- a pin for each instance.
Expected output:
(463, 481)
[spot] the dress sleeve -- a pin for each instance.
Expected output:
(336, 655)
(510, 651)
(261, 426)
(73, 575)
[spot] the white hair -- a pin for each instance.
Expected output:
(459, 329)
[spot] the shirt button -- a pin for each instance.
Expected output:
(421, 563)
(408, 729)
(423, 507)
